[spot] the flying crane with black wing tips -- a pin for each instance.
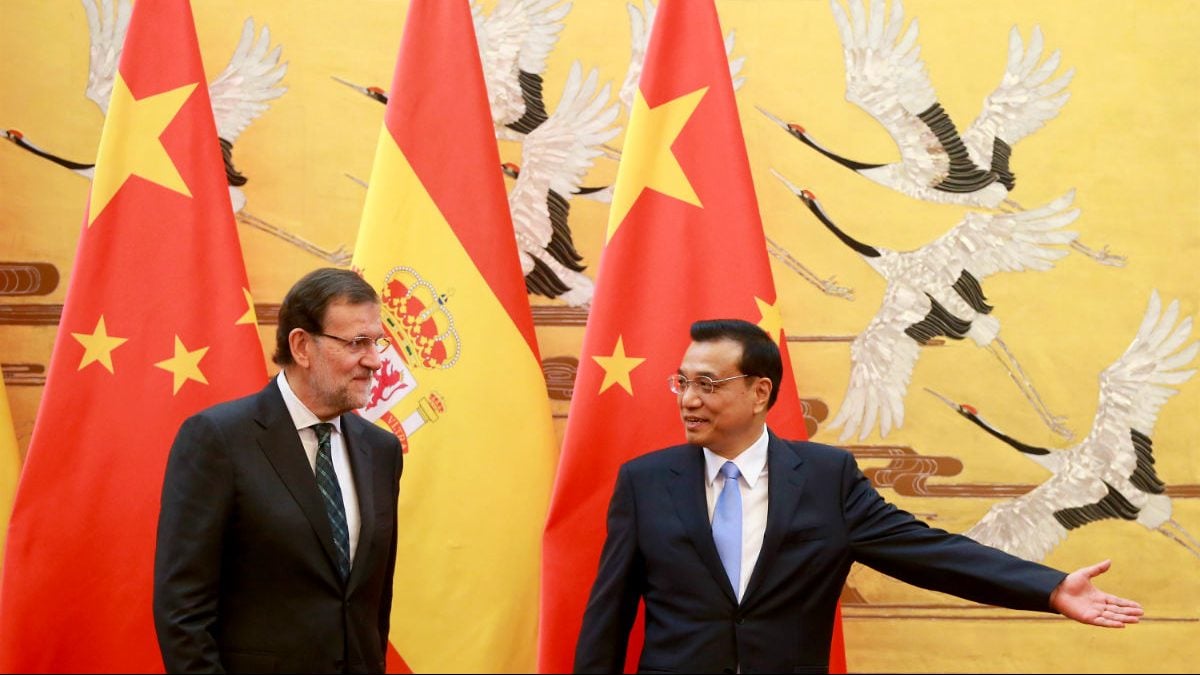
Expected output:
(935, 291)
(886, 78)
(555, 157)
(515, 41)
(1111, 473)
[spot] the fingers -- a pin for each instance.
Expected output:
(1129, 606)
(1117, 616)
(1097, 569)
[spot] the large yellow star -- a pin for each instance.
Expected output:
(129, 144)
(618, 367)
(249, 317)
(647, 161)
(98, 346)
(184, 365)
(772, 319)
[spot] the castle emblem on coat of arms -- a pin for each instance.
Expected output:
(419, 323)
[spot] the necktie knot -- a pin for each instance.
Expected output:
(324, 430)
(730, 471)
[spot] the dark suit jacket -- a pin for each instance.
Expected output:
(244, 572)
(822, 515)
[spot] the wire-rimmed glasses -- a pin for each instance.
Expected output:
(704, 384)
(361, 343)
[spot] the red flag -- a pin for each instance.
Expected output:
(158, 323)
(685, 242)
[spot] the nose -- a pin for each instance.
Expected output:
(372, 359)
(690, 398)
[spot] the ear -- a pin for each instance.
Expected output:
(301, 343)
(762, 394)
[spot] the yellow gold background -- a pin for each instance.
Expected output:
(1128, 141)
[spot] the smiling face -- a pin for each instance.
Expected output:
(332, 377)
(731, 418)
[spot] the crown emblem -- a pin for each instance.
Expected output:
(417, 317)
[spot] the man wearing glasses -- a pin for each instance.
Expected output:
(277, 533)
(739, 542)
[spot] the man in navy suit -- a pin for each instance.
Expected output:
(803, 512)
(277, 534)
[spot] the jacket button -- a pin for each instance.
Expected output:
(741, 620)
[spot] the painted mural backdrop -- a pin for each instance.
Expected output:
(982, 217)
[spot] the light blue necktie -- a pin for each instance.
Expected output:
(727, 526)
(331, 494)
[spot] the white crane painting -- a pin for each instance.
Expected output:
(935, 291)
(1111, 473)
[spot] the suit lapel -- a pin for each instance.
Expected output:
(785, 484)
(280, 442)
(361, 467)
(691, 504)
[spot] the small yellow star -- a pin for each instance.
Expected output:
(184, 365)
(618, 367)
(772, 319)
(130, 145)
(98, 346)
(648, 161)
(249, 317)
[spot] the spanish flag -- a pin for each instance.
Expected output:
(158, 323)
(685, 242)
(462, 384)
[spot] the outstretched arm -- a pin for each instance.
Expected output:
(1076, 598)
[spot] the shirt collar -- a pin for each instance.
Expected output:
(302, 417)
(750, 462)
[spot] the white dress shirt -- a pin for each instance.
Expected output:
(304, 419)
(752, 463)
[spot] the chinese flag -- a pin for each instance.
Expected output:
(684, 242)
(157, 324)
(462, 385)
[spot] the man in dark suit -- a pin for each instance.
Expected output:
(277, 534)
(739, 542)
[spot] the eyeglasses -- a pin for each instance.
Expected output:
(704, 384)
(361, 343)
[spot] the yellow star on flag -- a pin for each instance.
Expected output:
(648, 161)
(130, 145)
(249, 317)
(98, 345)
(618, 367)
(772, 319)
(185, 365)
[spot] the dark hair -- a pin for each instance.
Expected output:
(305, 304)
(760, 354)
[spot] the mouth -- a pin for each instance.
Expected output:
(694, 423)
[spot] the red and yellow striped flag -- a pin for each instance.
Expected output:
(685, 242)
(462, 385)
(157, 324)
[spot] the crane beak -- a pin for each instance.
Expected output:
(359, 88)
(795, 190)
(943, 399)
(773, 118)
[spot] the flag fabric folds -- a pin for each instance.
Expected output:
(10, 464)
(684, 242)
(462, 384)
(157, 324)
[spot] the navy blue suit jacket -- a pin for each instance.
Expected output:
(245, 577)
(822, 515)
